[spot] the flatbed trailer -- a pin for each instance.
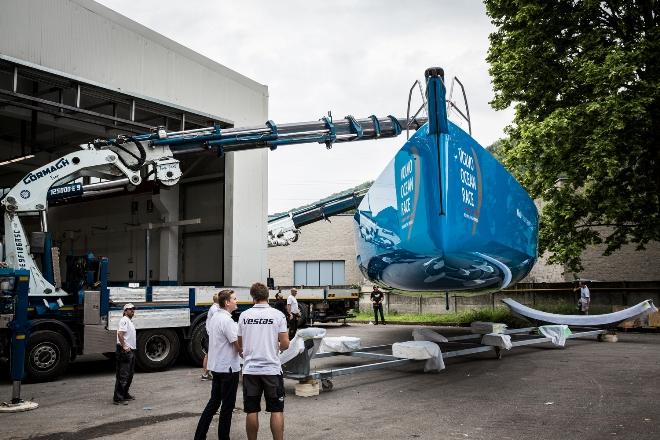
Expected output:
(303, 370)
(170, 322)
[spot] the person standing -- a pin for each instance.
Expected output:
(377, 302)
(293, 312)
(262, 335)
(225, 364)
(125, 356)
(214, 308)
(280, 304)
(585, 298)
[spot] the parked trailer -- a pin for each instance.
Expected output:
(170, 321)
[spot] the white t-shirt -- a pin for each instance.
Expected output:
(212, 310)
(259, 326)
(293, 302)
(126, 326)
(584, 294)
(223, 332)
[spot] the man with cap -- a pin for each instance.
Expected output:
(125, 354)
(293, 312)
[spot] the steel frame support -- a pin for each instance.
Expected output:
(388, 360)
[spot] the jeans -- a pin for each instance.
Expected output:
(223, 391)
(125, 370)
(293, 325)
(379, 308)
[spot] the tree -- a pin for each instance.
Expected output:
(584, 79)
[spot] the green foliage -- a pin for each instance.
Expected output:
(488, 314)
(499, 314)
(584, 77)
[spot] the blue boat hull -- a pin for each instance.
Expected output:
(445, 215)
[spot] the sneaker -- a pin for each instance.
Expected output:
(130, 397)
(119, 402)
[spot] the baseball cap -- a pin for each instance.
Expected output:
(128, 306)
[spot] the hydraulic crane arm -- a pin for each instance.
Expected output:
(128, 161)
(284, 230)
(270, 135)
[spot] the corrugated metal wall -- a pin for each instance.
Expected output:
(86, 40)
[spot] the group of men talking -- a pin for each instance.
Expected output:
(259, 336)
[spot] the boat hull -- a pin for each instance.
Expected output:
(445, 215)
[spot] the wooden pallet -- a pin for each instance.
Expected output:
(649, 321)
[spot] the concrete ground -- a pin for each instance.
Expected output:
(588, 390)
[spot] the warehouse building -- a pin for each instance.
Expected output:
(72, 71)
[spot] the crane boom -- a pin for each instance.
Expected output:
(129, 160)
(285, 229)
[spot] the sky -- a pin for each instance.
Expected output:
(346, 56)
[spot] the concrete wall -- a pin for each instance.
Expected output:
(605, 297)
(246, 202)
(626, 264)
(319, 241)
(84, 40)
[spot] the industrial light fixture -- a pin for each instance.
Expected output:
(16, 159)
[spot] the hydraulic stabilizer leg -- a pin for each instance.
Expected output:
(19, 336)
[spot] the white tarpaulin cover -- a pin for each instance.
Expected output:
(607, 319)
(340, 344)
(497, 340)
(487, 327)
(426, 334)
(558, 333)
(297, 344)
(420, 350)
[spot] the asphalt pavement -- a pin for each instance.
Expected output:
(587, 390)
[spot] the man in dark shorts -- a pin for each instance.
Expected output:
(262, 334)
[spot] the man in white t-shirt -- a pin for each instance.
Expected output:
(225, 363)
(293, 312)
(214, 308)
(125, 354)
(262, 334)
(585, 298)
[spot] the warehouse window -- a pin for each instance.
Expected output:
(319, 273)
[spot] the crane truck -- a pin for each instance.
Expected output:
(80, 316)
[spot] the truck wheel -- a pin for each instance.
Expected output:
(198, 344)
(304, 313)
(47, 355)
(157, 349)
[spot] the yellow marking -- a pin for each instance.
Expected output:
(20, 337)
(23, 278)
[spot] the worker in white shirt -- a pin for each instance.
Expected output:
(585, 298)
(293, 312)
(225, 364)
(125, 354)
(262, 335)
(214, 308)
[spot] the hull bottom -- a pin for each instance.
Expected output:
(475, 272)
